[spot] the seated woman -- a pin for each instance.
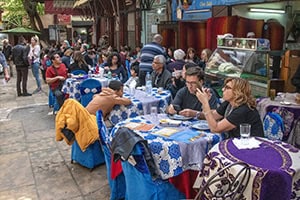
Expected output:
(238, 107)
(116, 67)
(79, 63)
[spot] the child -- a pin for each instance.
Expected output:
(133, 81)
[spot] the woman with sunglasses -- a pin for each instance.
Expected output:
(238, 107)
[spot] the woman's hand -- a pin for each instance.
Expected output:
(204, 95)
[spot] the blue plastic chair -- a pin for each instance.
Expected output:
(140, 185)
(88, 88)
(117, 185)
(90, 158)
(78, 71)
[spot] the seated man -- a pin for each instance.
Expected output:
(185, 102)
(161, 77)
(108, 98)
(55, 76)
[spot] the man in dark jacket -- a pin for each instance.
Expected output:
(7, 51)
(19, 56)
(161, 77)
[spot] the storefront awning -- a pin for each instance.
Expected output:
(80, 3)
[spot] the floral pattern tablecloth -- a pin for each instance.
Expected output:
(141, 104)
(174, 154)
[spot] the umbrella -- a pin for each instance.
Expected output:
(20, 30)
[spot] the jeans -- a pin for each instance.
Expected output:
(36, 73)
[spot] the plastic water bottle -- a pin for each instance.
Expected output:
(121, 77)
(148, 84)
(90, 74)
(109, 75)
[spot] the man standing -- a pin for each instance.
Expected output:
(55, 76)
(7, 51)
(161, 77)
(147, 54)
(19, 56)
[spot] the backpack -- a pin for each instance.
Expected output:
(294, 137)
(273, 126)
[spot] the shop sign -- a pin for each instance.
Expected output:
(64, 19)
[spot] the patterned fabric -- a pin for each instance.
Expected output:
(72, 87)
(273, 126)
(275, 168)
(141, 104)
(173, 156)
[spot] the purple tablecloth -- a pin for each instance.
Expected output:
(275, 168)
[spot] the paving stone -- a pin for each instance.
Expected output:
(15, 171)
(20, 193)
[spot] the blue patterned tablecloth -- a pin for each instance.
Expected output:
(174, 154)
(71, 87)
(141, 104)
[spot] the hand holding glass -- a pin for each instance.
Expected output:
(245, 130)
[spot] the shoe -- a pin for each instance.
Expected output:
(19, 95)
(26, 95)
(36, 90)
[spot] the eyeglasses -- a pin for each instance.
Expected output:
(226, 87)
(191, 83)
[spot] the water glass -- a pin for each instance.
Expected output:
(153, 111)
(245, 130)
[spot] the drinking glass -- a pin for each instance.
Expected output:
(245, 130)
(153, 111)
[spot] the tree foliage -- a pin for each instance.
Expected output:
(25, 13)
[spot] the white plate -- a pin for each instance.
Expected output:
(179, 117)
(201, 125)
(285, 103)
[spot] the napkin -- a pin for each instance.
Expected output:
(252, 143)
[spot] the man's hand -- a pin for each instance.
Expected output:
(171, 110)
(7, 77)
(188, 113)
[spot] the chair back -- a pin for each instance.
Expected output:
(228, 183)
(273, 126)
(78, 71)
(88, 88)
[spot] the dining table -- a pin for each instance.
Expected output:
(175, 149)
(71, 86)
(142, 103)
(275, 167)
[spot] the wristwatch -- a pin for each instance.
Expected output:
(197, 115)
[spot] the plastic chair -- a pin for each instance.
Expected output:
(78, 71)
(140, 185)
(88, 88)
(117, 185)
(90, 158)
(225, 184)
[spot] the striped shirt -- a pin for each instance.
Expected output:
(147, 55)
